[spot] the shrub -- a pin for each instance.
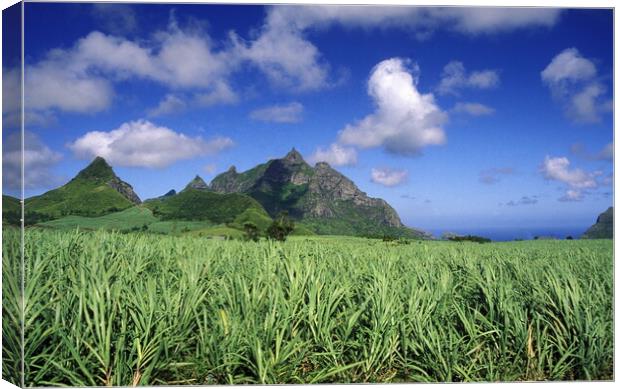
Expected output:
(281, 227)
(251, 231)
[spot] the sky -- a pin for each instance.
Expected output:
(460, 118)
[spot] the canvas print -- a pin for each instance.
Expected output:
(201, 194)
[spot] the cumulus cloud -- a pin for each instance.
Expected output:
(335, 155)
(281, 113)
(558, 169)
(283, 53)
(142, 143)
(568, 66)
(473, 109)
(287, 59)
(455, 77)
(388, 177)
(38, 161)
(404, 120)
(572, 80)
(493, 175)
(577, 180)
(81, 78)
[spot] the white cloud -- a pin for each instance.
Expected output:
(423, 20)
(169, 105)
(80, 79)
(285, 57)
(586, 105)
(50, 84)
(572, 195)
(38, 160)
(455, 77)
(558, 169)
(404, 120)
(220, 93)
(335, 155)
(388, 177)
(142, 143)
(569, 65)
(572, 81)
(473, 109)
(283, 113)
(282, 51)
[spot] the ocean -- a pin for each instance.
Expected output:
(503, 234)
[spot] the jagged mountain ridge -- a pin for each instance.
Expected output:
(319, 196)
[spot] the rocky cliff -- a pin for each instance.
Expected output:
(319, 196)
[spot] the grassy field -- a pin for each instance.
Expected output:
(104, 308)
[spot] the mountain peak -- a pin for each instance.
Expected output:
(98, 169)
(197, 183)
(232, 169)
(293, 156)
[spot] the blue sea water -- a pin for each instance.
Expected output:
(503, 234)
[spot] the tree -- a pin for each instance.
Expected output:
(251, 231)
(569, 237)
(281, 227)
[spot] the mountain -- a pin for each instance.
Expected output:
(11, 210)
(323, 199)
(196, 203)
(171, 192)
(197, 183)
(603, 228)
(94, 191)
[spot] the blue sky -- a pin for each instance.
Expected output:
(458, 117)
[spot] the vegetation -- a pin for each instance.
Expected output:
(469, 238)
(603, 228)
(251, 231)
(11, 210)
(104, 308)
(88, 194)
(78, 197)
(127, 220)
(281, 227)
(196, 204)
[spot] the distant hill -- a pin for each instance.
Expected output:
(320, 197)
(320, 200)
(11, 210)
(603, 228)
(203, 204)
(95, 191)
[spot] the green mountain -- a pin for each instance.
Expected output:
(320, 197)
(603, 228)
(11, 210)
(95, 191)
(202, 204)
